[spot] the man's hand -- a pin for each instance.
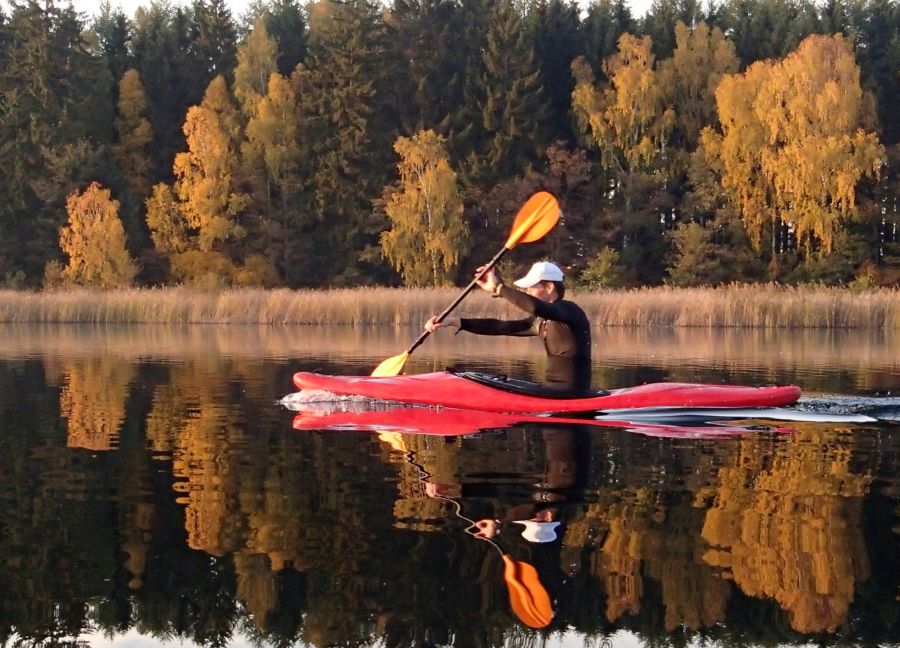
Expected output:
(489, 281)
(432, 325)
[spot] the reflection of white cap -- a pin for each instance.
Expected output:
(540, 271)
(538, 531)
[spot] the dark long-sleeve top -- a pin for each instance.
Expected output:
(563, 326)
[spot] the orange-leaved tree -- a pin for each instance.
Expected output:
(627, 120)
(428, 234)
(797, 138)
(94, 241)
(191, 222)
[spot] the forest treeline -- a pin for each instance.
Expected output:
(349, 143)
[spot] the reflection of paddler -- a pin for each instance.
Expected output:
(528, 598)
(537, 521)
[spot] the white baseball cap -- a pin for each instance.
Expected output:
(540, 271)
(538, 531)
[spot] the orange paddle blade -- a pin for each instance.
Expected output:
(527, 597)
(537, 217)
(392, 366)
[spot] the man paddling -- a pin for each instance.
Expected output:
(561, 323)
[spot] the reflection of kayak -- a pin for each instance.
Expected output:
(406, 419)
(488, 393)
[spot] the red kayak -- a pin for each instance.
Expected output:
(489, 393)
(406, 419)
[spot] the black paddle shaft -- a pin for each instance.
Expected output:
(447, 311)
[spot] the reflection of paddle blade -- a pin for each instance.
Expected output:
(393, 439)
(392, 366)
(527, 597)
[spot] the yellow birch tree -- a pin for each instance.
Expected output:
(689, 78)
(94, 241)
(256, 61)
(428, 235)
(796, 141)
(271, 148)
(628, 120)
(166, 222)
(205, 183)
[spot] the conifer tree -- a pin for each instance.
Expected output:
(53, 128)
(286, 24)
(605, 22)
(337, 101)
(511, 104)
(172, 81)
(94, 241)
(428, 235)
(469, 33)
(423, 86)
(555, 30)
(213, 38)
(659, 23)
(135, 134)
(112, 30)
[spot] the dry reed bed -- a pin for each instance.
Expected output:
(765, 306)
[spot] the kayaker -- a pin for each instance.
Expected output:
(561, 323)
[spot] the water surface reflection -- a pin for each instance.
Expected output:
(151, 485)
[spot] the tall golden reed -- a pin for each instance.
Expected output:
(764, 306)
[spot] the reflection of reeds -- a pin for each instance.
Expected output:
(765, 306)
(869, 350)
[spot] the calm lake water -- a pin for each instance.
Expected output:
(155, 492)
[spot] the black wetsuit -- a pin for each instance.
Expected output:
(566, 332)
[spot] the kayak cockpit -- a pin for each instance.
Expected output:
(524, 387)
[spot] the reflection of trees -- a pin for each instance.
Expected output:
(93, 401)
(331, 538)
(787, 525)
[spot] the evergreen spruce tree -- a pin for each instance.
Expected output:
(469, 27)
(53, 129)
(338, 100)
(285, 23)
(659, 23)
(172, 82)
(112, 30)
(511, 104)
(214, 38)
(422, 64)
(555, 30)
(605, 22)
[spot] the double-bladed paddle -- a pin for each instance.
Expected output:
(536, 217)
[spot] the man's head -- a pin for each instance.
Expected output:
(545, 281)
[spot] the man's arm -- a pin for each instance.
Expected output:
(558, 311)
(485, 326)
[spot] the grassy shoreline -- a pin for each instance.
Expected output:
(764, 306)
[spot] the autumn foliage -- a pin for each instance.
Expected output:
(94, 241)
(771, 128)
